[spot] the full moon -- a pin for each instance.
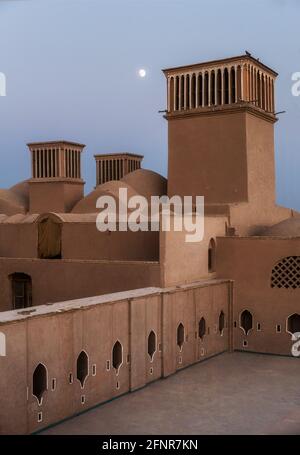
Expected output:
(142, 72)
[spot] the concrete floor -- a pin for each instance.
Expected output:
(239, 393)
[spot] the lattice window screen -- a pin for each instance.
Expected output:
(286, 273)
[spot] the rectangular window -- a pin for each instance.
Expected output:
(278, 328)
(245, 343)
(258, 327)
(40, 417)
(107, 365)
(94, 370)
(53, 386)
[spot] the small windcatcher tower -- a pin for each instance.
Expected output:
(56, 183)
(220, 130)
(114, 166)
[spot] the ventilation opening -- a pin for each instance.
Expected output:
(70, 378)
(82, 367)
(206, 89)
(21, 290)
(226, 84)
(202, 328)
(219, 88)
(82, 399)
(233, 87)
(180, 335)
(221, 322)
(212, 88)
(2, 345)
(278, 328)
(211, 256)
(286, 273)
(107, 365)
(246, 321)
(94, 370)
(193, 91)
(40, 417)
(39, 383)
(117, 355)
(49, 238)
(53, 386)
(258, 327)
(293, 324)
(151, 344)
(245, 343)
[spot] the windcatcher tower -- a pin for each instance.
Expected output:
(56, 183)
(114, 166)
(221, 130)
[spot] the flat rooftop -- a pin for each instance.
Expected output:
(232, 393)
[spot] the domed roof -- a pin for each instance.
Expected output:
(88, 203)
(10, 203)
(146, 183)
(286, 228)
(22, 192)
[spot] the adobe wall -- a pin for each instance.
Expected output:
(81, 240)
(84, 241)
(261, 210)
(18, 240)
(185, 262)
(55, 280)
(54, 196)
(207, 156)
(249, 262)
(55, 336)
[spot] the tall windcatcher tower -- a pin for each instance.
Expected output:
(221, 130)
(56, 183)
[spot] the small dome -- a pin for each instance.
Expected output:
(88, 203)
(286, 228)
(146, 183)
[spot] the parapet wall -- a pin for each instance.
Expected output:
(156, 332)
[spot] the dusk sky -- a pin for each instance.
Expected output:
(72, 73)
